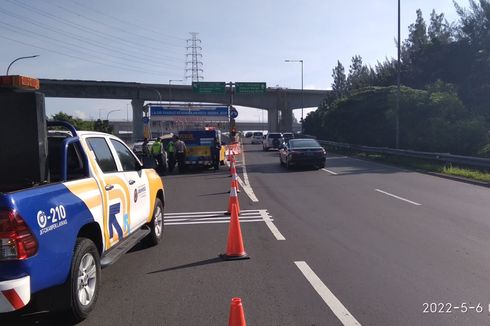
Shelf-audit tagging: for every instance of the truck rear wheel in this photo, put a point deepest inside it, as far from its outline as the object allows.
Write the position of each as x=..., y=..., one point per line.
x=83, y=285
x=156, y=225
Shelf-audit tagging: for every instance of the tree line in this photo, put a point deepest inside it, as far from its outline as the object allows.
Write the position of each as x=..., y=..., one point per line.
x=97, y=125
x=445, y=97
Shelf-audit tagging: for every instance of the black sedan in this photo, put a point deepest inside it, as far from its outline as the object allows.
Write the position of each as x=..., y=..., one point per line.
x=302, y=151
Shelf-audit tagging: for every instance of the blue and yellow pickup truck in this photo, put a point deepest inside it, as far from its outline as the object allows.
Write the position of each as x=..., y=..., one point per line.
x=98, y=202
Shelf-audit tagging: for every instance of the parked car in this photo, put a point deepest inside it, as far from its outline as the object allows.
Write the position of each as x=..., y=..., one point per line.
x=149, y=161
x=257, y=137
x=248, y=134
x=302, y=151
x=287, y=136
x=272, y=140
x=138, y=147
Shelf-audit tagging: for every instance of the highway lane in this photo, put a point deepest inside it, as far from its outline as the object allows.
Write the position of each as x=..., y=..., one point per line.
x=383, y=257
x=380, y=256
x=182, y=282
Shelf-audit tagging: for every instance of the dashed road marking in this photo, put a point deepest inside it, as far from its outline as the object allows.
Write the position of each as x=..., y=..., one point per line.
x=335, y=157
x=328, y=297
x=398, y=197
x=331, y=172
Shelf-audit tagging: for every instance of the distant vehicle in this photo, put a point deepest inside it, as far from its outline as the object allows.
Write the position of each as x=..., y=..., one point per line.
x=138, y=147
x=199, y=145
x=287, y=136
x=138, y=150
x=257, y=137
x=272, y=140
x=302, y=151
x=248, y=134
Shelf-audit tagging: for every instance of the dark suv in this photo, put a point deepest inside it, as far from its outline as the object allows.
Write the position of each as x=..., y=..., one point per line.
x=272, y=140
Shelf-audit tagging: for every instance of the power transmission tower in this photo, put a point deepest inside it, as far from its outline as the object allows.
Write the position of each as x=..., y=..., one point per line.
x=193, y=64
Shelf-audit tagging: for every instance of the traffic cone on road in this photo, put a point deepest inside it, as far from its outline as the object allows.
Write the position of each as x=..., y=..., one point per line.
x=237, y=316
x=233, y=199
x=234, y=248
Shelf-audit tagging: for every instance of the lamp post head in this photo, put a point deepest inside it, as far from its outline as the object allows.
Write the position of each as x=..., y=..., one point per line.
x=20, y=58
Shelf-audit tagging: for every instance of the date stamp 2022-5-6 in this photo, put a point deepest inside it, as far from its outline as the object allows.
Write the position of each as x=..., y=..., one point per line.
x=449, y=308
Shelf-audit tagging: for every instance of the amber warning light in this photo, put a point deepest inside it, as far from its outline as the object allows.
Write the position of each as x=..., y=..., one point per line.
x=19, y=82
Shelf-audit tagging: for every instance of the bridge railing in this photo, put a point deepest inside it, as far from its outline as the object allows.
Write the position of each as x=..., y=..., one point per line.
x=470, y=161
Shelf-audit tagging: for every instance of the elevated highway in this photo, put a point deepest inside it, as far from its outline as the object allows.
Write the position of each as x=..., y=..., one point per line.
x=274, y=100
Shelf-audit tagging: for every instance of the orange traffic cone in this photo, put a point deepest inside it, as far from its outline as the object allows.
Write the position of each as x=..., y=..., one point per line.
x=234, y=249
x=237, y=316
x=233, y=199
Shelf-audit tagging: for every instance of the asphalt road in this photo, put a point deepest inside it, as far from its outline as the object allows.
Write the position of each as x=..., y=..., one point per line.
x=381, y=242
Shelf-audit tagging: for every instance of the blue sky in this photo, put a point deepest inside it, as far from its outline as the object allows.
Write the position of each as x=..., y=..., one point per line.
x=144, y=41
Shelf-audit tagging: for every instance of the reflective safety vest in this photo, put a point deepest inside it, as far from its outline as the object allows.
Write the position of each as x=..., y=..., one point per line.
x=171, y=147
x=156, y=148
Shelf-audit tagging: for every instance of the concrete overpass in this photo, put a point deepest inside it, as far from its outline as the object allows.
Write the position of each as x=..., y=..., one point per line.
x=278, y=102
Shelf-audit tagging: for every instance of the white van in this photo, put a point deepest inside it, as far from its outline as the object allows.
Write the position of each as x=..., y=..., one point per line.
x=257, y=137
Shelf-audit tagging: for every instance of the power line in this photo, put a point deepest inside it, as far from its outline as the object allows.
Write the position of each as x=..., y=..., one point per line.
x=76, y=36
x=88, y=30
x=113, y=27
x=127, y=22
x=194, y=51
x=74, y=47
x=79, y=58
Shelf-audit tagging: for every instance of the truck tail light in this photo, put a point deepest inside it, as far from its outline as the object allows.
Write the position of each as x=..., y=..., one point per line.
x=16, y=239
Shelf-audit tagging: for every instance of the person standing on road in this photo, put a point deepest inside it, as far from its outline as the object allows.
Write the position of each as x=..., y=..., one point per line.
x=144, y=148
x=215, y=152
x=157, y=152
x=180, y=149
x=171, y=154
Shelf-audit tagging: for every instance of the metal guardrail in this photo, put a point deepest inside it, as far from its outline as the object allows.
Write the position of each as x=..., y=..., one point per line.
x=443, y=157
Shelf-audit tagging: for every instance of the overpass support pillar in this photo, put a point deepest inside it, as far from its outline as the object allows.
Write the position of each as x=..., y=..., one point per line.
x=137, y=106
x=273, y=119
x=286, y=123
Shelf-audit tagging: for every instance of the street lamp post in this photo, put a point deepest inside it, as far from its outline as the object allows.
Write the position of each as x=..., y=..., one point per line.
x=20, y=58
x=302, y=90
x=111, y=112
x=169, y=89
x=397, y=114
x=159, y=94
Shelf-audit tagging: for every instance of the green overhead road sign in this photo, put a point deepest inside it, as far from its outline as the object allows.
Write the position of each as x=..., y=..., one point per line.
x=250, y=88
x=208, y=87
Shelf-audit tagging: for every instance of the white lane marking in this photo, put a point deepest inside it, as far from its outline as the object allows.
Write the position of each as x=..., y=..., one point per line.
x=211, y=222
x=222, y=218
x=397, y=197
x=331, y=172
x=246, y=183
x=268, y=221
x=246, y=216
x=328, y=297
x=248, y=189
x=335, y=157
x=249, y=211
